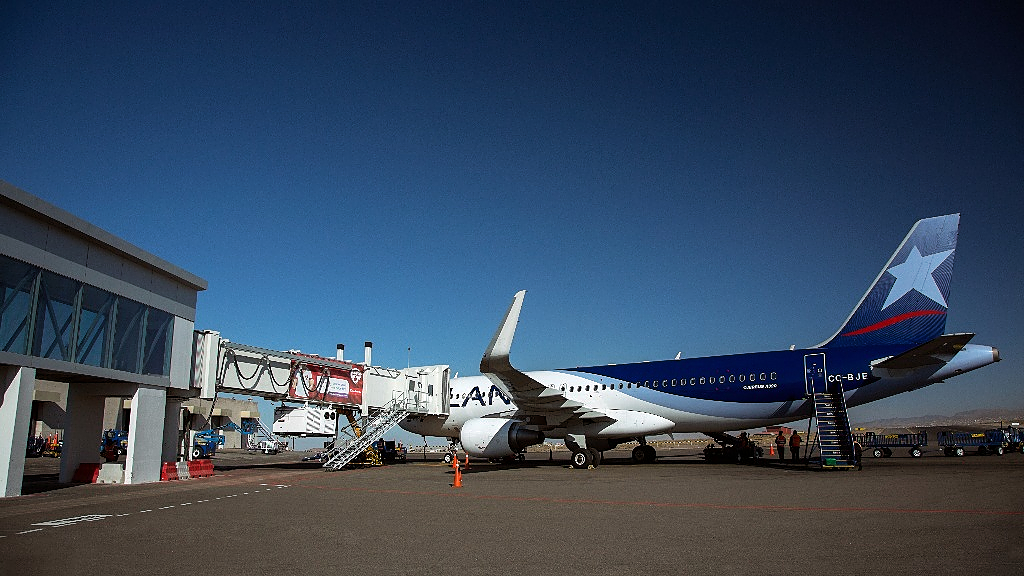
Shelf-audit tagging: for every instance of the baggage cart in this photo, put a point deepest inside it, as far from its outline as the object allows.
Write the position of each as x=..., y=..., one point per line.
x=881, y=445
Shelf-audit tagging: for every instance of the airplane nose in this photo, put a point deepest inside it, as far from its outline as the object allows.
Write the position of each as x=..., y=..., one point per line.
x=995, y=354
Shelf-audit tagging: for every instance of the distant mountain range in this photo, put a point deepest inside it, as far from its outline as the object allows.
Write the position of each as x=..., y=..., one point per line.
x=981, y=418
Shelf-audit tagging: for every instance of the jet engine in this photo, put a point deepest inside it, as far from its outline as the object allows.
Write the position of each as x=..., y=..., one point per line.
x=497, y=437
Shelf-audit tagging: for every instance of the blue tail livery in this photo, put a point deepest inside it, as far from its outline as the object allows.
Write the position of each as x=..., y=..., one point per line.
x=907, y=302
x=894, y=341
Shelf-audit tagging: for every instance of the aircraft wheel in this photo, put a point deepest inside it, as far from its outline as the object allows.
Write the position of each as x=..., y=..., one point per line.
x=582, y=459
x=876, y=453
x=638, y=455
x=650, y=453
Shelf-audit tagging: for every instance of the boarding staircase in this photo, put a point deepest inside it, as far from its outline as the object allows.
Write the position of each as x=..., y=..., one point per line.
x=834, y=437
x=357, y=439
x=255, y=430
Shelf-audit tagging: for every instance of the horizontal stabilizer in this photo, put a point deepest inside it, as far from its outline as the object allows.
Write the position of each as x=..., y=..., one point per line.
x=936, y=351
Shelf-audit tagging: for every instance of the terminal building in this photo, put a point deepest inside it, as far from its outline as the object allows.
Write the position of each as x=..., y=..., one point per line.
x=85, y=313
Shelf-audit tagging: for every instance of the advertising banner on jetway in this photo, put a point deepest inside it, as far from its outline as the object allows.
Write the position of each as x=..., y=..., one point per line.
x=342, y=384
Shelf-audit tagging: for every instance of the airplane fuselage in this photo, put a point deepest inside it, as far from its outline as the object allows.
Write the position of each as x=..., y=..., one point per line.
x=709, y=394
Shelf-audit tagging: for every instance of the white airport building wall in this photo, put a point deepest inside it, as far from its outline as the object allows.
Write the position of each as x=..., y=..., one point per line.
x=83, y=308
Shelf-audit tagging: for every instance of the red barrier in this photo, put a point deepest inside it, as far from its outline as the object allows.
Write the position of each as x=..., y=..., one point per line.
x=200, y=468
x=169, y=471
x=86, y=473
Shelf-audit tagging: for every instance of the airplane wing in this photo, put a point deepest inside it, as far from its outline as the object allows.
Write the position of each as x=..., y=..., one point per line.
x=936, y=351
x=538, y=404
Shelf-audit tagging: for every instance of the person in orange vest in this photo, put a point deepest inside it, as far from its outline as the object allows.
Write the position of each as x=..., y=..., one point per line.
x=794, y=445
x=780, y=445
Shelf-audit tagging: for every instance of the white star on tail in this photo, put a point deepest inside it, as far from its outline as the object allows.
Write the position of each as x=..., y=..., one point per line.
x=916, y=274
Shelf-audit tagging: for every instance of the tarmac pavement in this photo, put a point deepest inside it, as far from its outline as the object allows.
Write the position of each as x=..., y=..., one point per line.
x=680, y=515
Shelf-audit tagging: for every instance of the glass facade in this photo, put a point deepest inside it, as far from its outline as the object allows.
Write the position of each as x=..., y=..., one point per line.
x=46, y=315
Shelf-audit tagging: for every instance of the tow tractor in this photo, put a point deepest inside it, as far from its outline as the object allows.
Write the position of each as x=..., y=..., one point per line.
x=390, y=451
x=732, y=449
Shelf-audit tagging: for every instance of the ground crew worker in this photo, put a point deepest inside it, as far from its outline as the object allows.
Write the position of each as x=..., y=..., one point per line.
x=794, y=445
x=858, y=451
x=744, y=446
x=780, y=445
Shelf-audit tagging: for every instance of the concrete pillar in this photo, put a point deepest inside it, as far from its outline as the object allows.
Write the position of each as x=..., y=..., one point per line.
x=83, y=430
x=146, y=435
x=172, y=425
x=19, y=383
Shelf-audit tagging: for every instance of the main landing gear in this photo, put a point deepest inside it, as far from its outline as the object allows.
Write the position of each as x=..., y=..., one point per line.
x=584, y=456
x=644, y=454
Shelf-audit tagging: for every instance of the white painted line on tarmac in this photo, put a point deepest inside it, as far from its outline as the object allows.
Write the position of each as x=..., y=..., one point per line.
x=75, y=520
x=94, y=517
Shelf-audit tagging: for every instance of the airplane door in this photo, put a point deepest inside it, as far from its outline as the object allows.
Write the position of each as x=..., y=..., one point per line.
x=815, y=377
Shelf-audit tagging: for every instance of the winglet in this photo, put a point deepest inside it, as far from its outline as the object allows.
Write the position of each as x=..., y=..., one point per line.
x=496, y=357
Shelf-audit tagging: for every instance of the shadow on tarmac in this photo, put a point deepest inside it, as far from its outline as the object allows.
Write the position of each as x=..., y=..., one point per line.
x=675, y=460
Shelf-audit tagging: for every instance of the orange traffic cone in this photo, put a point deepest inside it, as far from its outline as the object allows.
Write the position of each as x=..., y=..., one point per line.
x=455, y=460
x=771, y=449
x=458, y=476
x=467, y=461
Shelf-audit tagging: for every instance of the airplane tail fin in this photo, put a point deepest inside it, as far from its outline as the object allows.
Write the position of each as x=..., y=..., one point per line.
x=907, y=302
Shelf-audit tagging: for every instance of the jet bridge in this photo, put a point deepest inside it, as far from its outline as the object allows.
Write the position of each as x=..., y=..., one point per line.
x=373, y=398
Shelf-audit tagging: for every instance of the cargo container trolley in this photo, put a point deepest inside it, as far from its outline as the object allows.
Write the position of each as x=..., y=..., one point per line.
x=881, y=445
x=997, y=441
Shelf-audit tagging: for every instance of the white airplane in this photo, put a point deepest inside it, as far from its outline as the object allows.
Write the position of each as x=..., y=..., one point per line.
x=892, y=342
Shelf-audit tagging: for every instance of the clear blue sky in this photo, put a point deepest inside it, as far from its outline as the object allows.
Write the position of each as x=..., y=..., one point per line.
x=662, y=177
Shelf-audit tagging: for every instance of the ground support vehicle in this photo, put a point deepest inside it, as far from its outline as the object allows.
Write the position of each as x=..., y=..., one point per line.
x=204, y=444
x=36, y=444
x=1013, y=438
x=268, y=447
x=390, y=451
x=988, y=442
x=53, y=446
x=117, y=438
x=881, y=445
x=732, y=454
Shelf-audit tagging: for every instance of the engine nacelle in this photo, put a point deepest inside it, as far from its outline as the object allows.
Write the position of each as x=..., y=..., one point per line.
x=497, y=437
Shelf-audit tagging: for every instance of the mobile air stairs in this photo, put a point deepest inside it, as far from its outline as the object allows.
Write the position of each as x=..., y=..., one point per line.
x=834, y=437
x=359, y=438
